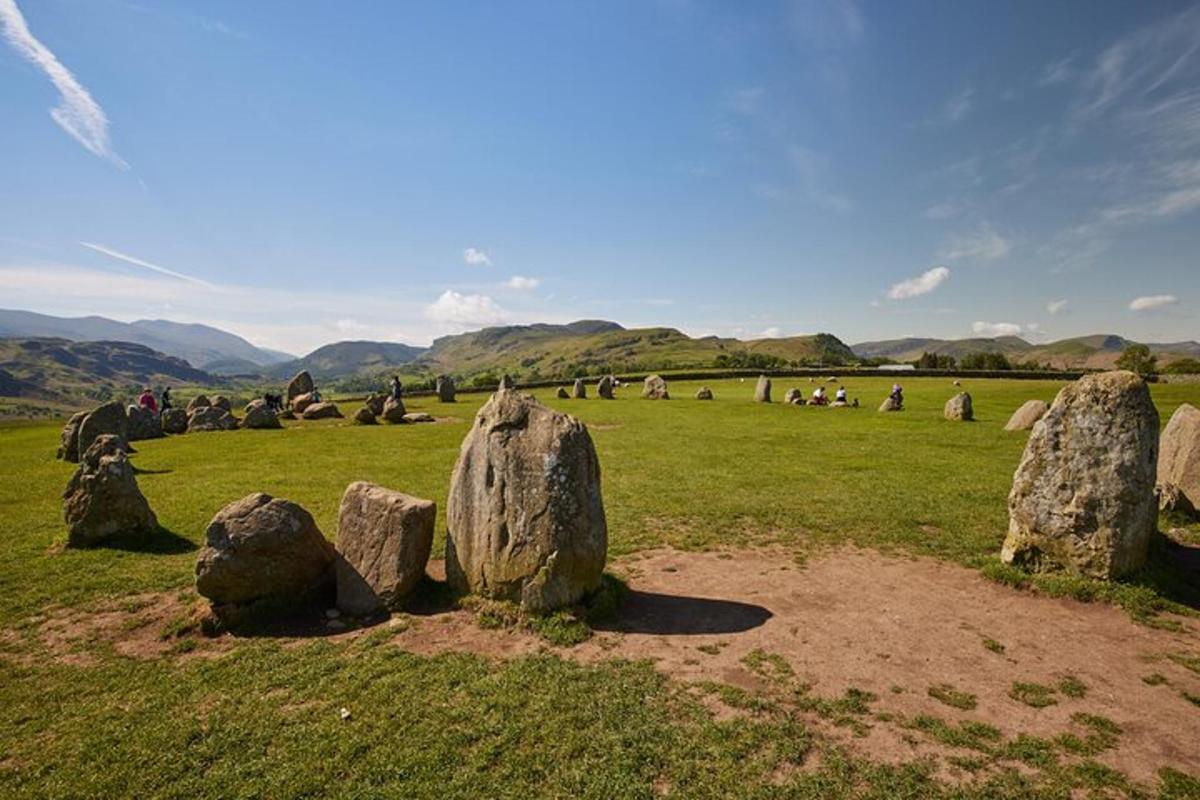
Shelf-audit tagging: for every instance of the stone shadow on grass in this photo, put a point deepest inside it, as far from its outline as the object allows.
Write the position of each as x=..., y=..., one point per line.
x=673, y=615
x=163, y=541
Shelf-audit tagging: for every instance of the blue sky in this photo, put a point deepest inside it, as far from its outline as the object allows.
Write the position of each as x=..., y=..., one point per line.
x=301, y=172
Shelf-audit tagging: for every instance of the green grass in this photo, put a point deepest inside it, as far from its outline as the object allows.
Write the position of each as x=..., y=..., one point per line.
x=262, y=719
x=947, y=695
x=1034, y=695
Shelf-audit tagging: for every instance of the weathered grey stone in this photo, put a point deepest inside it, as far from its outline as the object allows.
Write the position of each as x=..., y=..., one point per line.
x=376, y=402
x=1179, y=455
x=106, y=419
x=445, y=388
x=762, y=390
x=562, y=393
x=259, y=415
x=262, y=548
x=103, y=498
x=890, y=404
x=526, y=516
x=1083, y=498
x=704, y=393
x=364, y=416
x=221, y=401
x=384, y=540
x=175, y=421
x=68, y=447
x=199, y=401
x=211, y=418
x=393, y=411
x=301, y=402
x=1027, y=415
x=959, y=408
x=418, y=416
x=1172, y=498
x=302, y=383
x=142, y=423
x=506, y=382
x=322, y=411
x=655, y=388
x=579, y=391
x=604, y=388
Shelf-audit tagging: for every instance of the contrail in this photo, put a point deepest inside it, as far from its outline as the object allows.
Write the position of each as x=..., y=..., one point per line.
x=108, y=251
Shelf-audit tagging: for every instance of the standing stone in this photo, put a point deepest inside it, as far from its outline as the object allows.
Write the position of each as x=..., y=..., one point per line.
x=175, y=421
x=393, y=411
x=655, y=388
x=579, y=392
x=384, y=540
x=890, y=404
x=1027, y=415
x=704, y=393
x=68, y=448
x=106, y=419
x=762, y=390
x=261, y=548
x=221, y=401
x=142, y=423
x=103, y=498
x=301, y=402
x=526, y=517
x=792, y=395
x=958, y=408
x=302, y=383
x=604, y=389
x=364, y=416
x=321, y=411
x=375, y=402
x=506, y=382
x=445, y=388
x=197, y=402
x=1179, y=460
x=562, y=393
x=260, y=415
x=1082, y=498
x=211, y=418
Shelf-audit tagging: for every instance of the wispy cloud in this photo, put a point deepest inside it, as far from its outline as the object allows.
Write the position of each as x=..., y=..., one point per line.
x=983, y=244
x=1056, y=306
x=922, y=284
x=476, y=257
x=1153, y=302
x=77, y=113
x=108, y=251
x=1057, y=72
x=520, y=282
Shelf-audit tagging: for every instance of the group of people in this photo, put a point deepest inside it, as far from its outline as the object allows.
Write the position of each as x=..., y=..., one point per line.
x=155, y=406
x=820, y=398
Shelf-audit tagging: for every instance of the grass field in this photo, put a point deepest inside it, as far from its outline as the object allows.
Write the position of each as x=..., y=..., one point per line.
x=261, y=720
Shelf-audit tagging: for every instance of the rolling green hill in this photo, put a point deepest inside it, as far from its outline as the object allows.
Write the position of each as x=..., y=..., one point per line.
x=348, y=358
x=1098, y=351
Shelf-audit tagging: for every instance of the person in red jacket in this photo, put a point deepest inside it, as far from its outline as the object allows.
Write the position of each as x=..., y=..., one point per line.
x=147, y=401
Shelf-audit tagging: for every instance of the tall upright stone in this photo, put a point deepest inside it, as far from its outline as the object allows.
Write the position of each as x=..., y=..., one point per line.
x=1082, y=499
x=103, y=498
x=68, y=447
x=526, y=516
x=762, y=390
x=959, y=408
x=301, y=383
x=579, y=391
x=604, y=389
x=1179, y=460
x=445, y=388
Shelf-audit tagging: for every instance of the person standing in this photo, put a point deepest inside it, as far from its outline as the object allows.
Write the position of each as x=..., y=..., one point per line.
x=397, y=389
x=165, y=399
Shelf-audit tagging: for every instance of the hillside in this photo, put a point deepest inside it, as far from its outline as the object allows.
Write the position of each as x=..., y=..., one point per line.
x=1098, y=351
x=62, y=370
x=201, y=345
x=348, y=358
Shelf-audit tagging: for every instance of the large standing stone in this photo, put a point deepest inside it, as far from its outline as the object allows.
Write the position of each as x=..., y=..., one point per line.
x=762, y=390
x=375, y=402
x=393, y=411
x=103, y=498
x=68, y=447
x=445, y=388
x=301, y=402
x=106, y=419
x=302, y=383
x=1027, y=415
x=604, y=389
x=211, y=418
x=704, y=393
x=142, y=423
x=197, y=402
x=959, y=409
x=260, y=415
x=1082, y=498
x=175, y=421
x=526, y=517
x=1179, y=459
x=365, y=416
x=655, y=388
x=261, y=548
x=579, y=391
x=321, y=411
x=384, y=539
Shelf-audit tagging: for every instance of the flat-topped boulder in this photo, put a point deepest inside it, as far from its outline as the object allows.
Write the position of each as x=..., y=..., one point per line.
x=1027, y=415
x=762, y=390
x=301, y=383
x=959, y=408
x=259, y=415
x=322, y=410
x=384, y=540
x=175, y=421
x=142, y=423
x=604, y=388
x=393, y=411
x=211, y=418
x=1083, y=499
x=526, y=516
x=68, y=445
x=444, y=385
x=103, y=499
x=418, y=416
x=655, y=388
x=1179, y=460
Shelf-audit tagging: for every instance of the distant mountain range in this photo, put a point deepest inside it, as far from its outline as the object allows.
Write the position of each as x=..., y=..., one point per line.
x=347, y=358
x=1098, y=351
x=202, y=346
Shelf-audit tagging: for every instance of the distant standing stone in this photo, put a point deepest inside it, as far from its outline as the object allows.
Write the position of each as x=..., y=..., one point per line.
x=762, y=390
x=393, y=411
x=959, y=409
x=103, y=498
x=175, y=421
x=1179, y=459
x=604, y=389
x=579, y=392
x=1083, y=498
x=106, y=419
x=655, y=388
x=1027, y=415
x=704, y=393
x=384, y=539
x=364, y=416
x=445, y=388
x=68, y=447
x=562, y=393
x=302, y=383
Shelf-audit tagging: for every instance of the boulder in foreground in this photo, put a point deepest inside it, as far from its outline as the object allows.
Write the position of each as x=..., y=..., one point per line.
x=384, y=540
x=655, y=388
x=959, y=408
x=1179, y=460
x=103, y=498
x=1027, y=415
x=1083, y=497
x=526, y=517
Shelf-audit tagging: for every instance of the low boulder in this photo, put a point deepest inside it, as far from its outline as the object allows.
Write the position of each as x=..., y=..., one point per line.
x=301, y=402
x=393, y=411
x=175, y=421
x=259, y=415
x=375, y=402
x=604, y=388
x=418, y=416
x=221, y=401
x=526, y=516
x=301, y=383
x=364, y=416
x=792, y=395
x=655, y=388
x=890, y=404
x=579, y=391
x=1179, y=457
x=108, y=419
x=199, y=401
x=704, y=393
x=1027, y=415
x=762, y=390
x=562, y=393
x=322, y=411
x=211, y=418
x=262, y=548
x=1083, y=499
x=383, y=543
x=959, y=409
x=142, y=423
x=68, y=446
x=445, y=388
x=103, y=499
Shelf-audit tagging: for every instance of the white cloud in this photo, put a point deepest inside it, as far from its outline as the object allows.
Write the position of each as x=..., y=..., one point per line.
x=108, y=251
x=922, y=284
x=1152, y=302
x=771, y=333
x=984, y=244
x=1058, y=71
x=1056, y=306
x=522, y=283
x=996, y=328
x=465, y=309
x=476, y=257
x=77, y=113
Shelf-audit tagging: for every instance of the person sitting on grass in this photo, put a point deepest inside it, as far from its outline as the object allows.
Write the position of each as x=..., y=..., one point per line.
x=397, y=390
x=147, y=401
x=819, y=397
x=840, y=396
